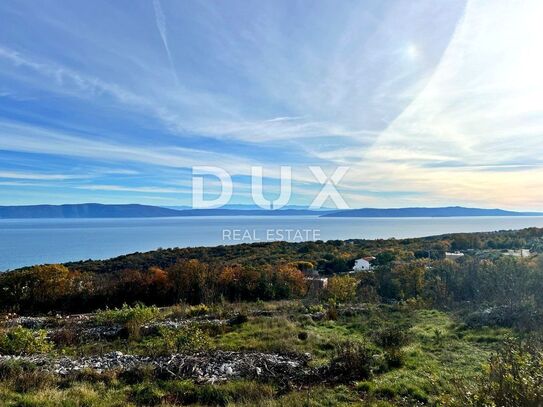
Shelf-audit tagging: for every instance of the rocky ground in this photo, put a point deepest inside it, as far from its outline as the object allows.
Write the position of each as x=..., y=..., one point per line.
x=84, y=326
x=208, y=367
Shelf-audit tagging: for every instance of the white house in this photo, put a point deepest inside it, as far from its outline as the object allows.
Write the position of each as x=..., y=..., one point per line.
x=363, y=264
x=454, y=256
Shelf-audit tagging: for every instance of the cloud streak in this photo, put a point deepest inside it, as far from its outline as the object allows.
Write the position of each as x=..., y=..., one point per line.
x=160, y=19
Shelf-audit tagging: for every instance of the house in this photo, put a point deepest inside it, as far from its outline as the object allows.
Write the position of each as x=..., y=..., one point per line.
x=363, y=264
x=518, y=253
x=454, y=256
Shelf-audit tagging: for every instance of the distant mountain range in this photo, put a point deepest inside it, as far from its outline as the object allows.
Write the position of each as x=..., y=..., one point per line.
x=93, y=210
x=246, y=207
x=88, y=210
x=447, y=212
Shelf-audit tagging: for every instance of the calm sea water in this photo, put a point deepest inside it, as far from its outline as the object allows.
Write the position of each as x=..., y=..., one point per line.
x=36, y=241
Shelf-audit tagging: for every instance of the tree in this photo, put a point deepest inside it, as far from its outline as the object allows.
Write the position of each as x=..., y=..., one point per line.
x=514, y=377
x=304, y=266
x=336, y=265
x=190, y=280
x=291, y=282
x=342, y=288
x=383, y=259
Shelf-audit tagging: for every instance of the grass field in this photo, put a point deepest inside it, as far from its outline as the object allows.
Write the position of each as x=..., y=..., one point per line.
x=437, y=356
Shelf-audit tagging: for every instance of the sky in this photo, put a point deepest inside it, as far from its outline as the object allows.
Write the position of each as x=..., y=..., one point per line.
x=428, y=103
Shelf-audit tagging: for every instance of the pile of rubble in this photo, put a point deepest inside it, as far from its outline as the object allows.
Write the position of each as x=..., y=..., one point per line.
x=207, y=367
x=84, y=327
x=221, y=365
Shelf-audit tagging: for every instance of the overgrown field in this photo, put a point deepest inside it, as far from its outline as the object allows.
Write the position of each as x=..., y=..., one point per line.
x=357, y=354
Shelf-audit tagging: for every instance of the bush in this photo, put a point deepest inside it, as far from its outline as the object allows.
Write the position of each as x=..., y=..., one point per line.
x=23, y=341
x=303, y=336
x=315, y=309
x=524, y=316
x=331, y=311
x=67, y=336
x=342, y=288
x=391, y=337
x=186, y=339
x=394, y=358
x=23, y=377
x=514, y=376
x=198, y=310
x=365, y=387
x=131, y=317
x=353, y=361
x=125, y=314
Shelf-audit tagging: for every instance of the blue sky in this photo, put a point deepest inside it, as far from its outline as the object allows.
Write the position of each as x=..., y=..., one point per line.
x=428, y=102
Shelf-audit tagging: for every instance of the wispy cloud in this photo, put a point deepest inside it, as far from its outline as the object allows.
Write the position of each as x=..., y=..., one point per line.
x=33, y=139
x=161, y=26
x=120, y=188
x=39, y=176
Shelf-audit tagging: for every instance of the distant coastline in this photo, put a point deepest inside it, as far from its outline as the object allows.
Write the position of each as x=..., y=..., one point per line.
x=94, y=210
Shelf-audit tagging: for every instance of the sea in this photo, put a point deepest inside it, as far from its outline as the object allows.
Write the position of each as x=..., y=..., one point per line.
x=25, y=242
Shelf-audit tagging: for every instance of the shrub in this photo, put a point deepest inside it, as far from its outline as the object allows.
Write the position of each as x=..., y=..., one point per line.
x=394, y=358
x=524, y=316
x=65, y=337
x=186, y=339
x=391, y=337
x=131, y=317
x=365, y=387
x=342, y=288
x=125, y=314
x=198, y=310
x=23, y=377
x=331, y=311
x=353, y=361
x=303, y=336
x=514, y=376
x=23, y=341
x=315, y=309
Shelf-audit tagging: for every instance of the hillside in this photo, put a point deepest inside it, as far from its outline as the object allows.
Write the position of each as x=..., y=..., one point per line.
x=451, y=211
x=90, y=210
